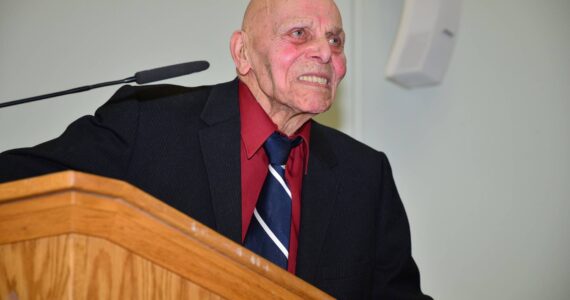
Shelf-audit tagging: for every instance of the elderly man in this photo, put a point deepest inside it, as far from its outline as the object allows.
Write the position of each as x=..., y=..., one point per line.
x=246, y=159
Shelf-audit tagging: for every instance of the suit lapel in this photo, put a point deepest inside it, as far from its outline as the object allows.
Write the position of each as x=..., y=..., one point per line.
x=220, y=145
x=318, y=199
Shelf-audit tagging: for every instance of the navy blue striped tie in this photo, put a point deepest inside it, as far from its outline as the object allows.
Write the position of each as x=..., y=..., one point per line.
x=270, y=226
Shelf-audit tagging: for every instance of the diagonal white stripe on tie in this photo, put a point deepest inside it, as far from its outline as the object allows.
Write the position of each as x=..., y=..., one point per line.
x=271, y=234
x=280, y=180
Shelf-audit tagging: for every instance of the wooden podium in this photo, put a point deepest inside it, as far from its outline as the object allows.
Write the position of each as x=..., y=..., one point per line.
x=70, y=235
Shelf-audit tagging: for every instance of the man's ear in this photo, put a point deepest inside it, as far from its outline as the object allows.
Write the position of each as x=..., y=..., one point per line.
x=238, y=51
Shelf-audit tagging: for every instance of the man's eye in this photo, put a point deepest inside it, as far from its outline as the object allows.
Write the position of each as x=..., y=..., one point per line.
x=298, y=33
x=335, y=41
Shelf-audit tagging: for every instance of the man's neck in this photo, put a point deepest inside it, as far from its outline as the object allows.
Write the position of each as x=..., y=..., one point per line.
x=287, y=120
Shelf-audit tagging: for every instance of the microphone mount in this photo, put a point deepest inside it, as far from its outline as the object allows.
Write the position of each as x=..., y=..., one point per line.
x=141, y=77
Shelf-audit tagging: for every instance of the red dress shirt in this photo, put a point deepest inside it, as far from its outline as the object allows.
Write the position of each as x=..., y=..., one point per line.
x=256, y=127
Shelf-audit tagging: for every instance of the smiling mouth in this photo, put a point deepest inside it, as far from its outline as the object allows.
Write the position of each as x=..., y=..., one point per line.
x=314, y=79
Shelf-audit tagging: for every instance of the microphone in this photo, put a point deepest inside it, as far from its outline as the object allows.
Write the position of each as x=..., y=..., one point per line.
x=141, y=77
x=172, y=71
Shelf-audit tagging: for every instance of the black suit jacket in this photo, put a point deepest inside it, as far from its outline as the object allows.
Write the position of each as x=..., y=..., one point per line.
x=182, y=145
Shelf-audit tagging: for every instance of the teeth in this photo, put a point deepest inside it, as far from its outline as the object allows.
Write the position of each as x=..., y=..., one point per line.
x=315, y=79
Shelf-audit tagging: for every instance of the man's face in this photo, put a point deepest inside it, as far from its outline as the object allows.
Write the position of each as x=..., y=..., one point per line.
x=297, y=54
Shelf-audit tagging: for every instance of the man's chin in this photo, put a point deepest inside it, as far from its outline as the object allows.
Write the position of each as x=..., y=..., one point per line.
x=316, y=108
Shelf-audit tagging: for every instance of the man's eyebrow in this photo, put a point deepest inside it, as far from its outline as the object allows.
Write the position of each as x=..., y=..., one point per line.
x=295, y=23
x=337, y=30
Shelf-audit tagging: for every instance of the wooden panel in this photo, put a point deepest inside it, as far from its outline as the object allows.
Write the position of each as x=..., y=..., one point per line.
x=35, y=269
x=79, y=267
x=71, y=202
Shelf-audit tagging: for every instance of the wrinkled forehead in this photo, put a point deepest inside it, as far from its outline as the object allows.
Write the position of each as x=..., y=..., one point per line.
x=274, y=14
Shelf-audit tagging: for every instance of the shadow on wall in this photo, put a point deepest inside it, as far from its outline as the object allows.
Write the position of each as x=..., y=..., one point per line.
x=333, y=117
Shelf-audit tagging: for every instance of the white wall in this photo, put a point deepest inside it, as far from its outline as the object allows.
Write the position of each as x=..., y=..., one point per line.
x=481, y=161
x=47, y=46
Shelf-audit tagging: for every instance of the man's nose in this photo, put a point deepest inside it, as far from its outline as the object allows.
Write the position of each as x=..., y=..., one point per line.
x=320, y=50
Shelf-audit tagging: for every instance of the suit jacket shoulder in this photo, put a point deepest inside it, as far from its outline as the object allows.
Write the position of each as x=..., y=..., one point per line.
x=355, y=237
x=100, y=143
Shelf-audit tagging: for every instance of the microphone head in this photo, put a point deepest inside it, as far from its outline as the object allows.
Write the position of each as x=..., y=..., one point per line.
x=172, y=71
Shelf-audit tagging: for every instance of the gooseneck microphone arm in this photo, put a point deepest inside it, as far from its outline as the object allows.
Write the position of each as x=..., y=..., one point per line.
x=141, y=77
x=66, y=92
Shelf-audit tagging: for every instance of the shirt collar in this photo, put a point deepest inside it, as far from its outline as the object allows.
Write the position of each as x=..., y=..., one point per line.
x=256, y=126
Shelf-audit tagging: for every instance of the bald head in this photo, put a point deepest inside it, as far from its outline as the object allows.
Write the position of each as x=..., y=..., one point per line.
x=256, y=9
x=290, y=53
x=258, y=12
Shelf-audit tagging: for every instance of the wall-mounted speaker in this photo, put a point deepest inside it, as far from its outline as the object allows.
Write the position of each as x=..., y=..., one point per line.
x=425, y=41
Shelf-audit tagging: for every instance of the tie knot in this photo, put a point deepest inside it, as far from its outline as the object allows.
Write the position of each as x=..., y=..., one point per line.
x=278, y=147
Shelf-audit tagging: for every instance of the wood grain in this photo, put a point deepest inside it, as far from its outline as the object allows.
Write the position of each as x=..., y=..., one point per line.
x=133, y=221
x=78, y=267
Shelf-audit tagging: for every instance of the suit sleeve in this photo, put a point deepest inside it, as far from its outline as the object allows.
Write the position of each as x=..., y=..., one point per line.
x=99, y=144
x=396, y=275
